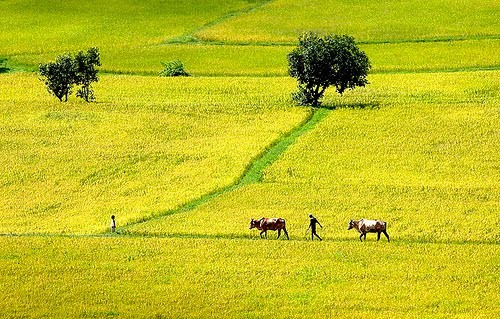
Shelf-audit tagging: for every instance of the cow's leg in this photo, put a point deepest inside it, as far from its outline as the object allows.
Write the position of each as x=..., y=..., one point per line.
x=263, y=232
x=378, y=236
x=286, y=233
x=361, y=237
x=386, y=235
x=279, y=233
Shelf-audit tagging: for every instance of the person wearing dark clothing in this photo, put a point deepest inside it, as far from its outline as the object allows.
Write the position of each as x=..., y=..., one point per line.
x=113, y=224
x=312, y=224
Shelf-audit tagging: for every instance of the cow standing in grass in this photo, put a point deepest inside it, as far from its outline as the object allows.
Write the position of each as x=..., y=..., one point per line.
x=265, y=224
x=364, y=226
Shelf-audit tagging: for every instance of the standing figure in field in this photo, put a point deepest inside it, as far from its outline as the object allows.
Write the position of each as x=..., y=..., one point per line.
x=113, y=223
x=312, y=224
x=364, y=226
x=265, y=224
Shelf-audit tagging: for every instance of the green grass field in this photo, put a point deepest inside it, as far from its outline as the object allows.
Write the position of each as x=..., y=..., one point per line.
x=185, y=163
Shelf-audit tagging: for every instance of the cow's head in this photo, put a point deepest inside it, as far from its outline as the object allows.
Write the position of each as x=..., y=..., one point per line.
x=254, y=223
x=351, y=225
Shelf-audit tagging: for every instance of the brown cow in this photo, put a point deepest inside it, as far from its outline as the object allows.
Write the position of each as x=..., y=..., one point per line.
x=364, y=226
x=265, y=224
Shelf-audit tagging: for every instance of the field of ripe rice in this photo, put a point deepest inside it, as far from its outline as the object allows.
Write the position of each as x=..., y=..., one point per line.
x=85, y=277
x=213, y=38
x=267, y=60
x=366, y=20
x=50, y=26
x=147, y=146
x=185, y=163
x=419, y=150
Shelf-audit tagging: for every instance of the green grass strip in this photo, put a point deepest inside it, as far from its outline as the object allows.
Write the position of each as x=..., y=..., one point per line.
x=253, y=173
x=190, y=37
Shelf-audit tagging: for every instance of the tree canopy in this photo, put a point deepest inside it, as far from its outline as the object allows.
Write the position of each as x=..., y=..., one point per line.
x=62, y=74
x=319, y=62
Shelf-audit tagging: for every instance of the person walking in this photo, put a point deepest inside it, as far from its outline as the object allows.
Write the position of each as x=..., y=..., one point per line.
x=312, y=224
x=113, y=223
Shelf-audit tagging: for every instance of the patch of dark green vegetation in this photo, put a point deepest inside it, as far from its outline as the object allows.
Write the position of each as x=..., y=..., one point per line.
x=3, y=66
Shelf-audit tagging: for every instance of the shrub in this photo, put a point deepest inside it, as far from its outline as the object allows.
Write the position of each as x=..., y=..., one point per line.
x=173, y=68
x=3, y=67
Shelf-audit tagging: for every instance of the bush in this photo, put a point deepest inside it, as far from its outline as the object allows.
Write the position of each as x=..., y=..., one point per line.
x=3, y=67
x=173, y=68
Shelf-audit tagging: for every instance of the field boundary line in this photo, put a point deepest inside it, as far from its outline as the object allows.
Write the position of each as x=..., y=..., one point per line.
x=251, y=175
x=190, y=37
x=284, y=73
x=252, y=237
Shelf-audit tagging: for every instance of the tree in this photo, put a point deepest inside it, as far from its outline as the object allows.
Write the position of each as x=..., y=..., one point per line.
x=86, y=72
x=61, y=75
x=318, y=63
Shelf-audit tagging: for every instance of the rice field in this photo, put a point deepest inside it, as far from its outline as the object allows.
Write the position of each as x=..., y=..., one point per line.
x=270, y=60
x=85, y=277
x=51, y=26
x=367, y=21
x=148, y=145
x=234, y=38
x=185, y=163
x=418, y=150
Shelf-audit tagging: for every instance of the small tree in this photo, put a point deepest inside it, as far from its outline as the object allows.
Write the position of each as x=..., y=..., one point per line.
x=318, y=63
x=86, y=72
x=59, y=76
x=173, y=68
